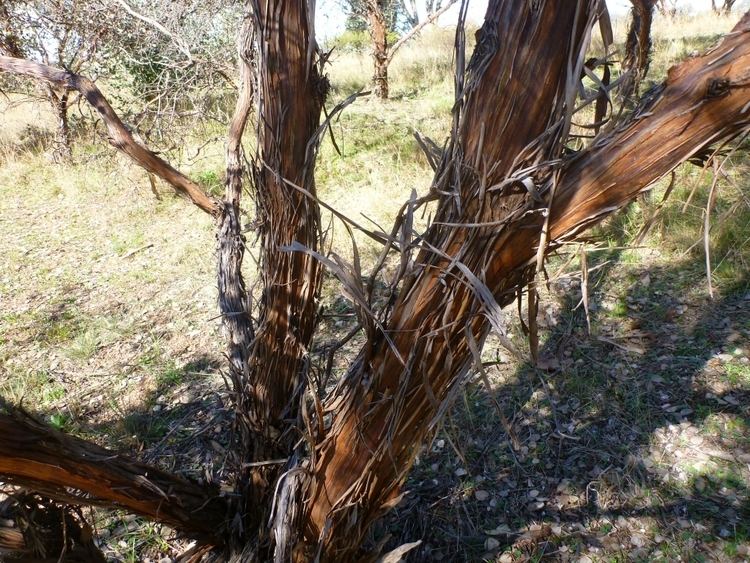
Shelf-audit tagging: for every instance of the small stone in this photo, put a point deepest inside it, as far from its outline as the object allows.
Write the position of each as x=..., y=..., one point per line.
x=460, y=472
x=481, y=495
x=491, y=544
x=637, y=540
x=506, y=558
x=533, y=493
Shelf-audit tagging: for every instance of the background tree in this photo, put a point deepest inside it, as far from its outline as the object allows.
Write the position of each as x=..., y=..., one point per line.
x=64, y=33
x=508, y=188
x=173, y=61
x=667, y=8
x=725, y=8
x=381, y=18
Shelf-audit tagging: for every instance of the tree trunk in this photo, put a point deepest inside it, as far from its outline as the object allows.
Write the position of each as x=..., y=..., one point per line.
x=379, y=35
x=63, y=144
x=484, y=243
x=637, y=47
x=270, y=361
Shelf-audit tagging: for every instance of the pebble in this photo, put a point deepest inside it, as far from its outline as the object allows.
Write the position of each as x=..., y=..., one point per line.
x=491, y=544
x=481, y=495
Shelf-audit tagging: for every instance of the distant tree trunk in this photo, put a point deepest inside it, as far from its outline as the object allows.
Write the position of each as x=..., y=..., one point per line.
x=727, y=8
x=668, y=8
x=637, y=47
x=63, y=143
x=379, y=35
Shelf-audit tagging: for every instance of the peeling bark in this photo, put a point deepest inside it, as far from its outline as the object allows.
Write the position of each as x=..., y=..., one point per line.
x=507, y=188
x=484, y=243
x=72, y=470
x=379, y=35
x=637, y=47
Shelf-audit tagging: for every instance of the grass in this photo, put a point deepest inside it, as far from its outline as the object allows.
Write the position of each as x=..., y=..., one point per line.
x=109, y=329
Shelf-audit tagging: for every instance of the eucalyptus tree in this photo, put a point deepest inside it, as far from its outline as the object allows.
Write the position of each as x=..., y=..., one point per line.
x=511, y=185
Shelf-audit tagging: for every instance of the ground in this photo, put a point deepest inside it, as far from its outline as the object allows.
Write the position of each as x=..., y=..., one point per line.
x=630, y=441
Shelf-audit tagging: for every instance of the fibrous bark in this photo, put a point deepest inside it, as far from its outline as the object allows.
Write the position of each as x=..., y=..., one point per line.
x=72, y=470
x=500, y=202
x=379, y=35
x=507, y=188
x=270, y=360
x=637, y=47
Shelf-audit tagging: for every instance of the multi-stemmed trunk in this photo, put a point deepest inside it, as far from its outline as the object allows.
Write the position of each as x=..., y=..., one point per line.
x=507, y=188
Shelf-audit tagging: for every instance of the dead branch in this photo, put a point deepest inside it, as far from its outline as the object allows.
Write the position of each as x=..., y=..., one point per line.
x=120, y=136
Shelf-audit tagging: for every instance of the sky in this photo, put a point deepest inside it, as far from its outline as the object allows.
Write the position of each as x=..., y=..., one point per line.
x=331, y=16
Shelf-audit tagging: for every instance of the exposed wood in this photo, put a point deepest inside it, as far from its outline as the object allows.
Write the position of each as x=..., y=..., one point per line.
x=73, y=470
x=396, y=393
x=120, y=136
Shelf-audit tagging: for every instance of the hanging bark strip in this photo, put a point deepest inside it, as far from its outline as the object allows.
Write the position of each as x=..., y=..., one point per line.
x=72, y=470
x=484, y=242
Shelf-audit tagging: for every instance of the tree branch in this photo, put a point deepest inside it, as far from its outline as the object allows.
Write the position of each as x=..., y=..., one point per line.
x=119, y=135
x=416, y=29
x=69, y=469
x=179, y=41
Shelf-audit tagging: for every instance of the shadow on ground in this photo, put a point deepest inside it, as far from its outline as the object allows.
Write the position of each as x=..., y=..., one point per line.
x=635, y=445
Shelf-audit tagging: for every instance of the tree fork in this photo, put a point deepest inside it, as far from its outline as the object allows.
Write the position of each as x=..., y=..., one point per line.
x=388, y=404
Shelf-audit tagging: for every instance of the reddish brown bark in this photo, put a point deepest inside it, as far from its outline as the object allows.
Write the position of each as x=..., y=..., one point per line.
x=396, y=393
x=637, y=46
x=73, y=470
x=291, y=93
x=379, y=35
